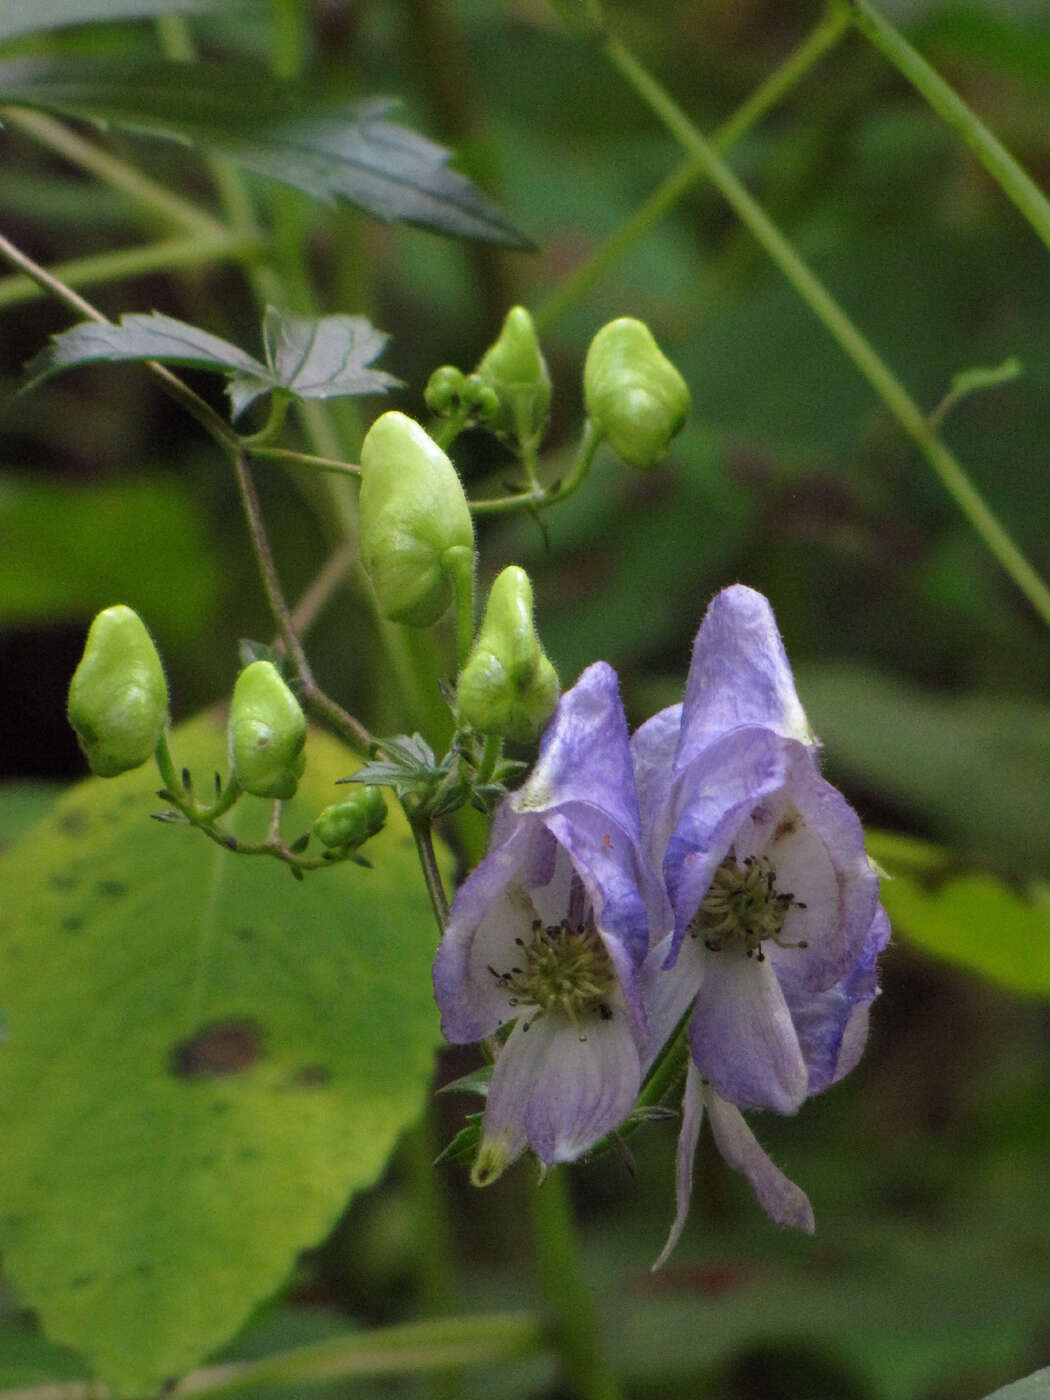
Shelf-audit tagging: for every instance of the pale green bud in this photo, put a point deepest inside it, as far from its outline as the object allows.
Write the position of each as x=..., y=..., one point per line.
x=118, y=697
x=508, y=686
x=352, y=821
x=413, y=514
x=443, y=388
x=267, y=733
x=635, y=397
x=515, y=368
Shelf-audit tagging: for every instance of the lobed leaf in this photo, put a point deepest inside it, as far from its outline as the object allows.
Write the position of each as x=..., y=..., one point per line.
x=199, y=1069
x=310, y=359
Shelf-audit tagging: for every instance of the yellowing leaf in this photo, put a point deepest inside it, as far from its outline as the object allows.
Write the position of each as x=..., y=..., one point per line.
x=205, y=1060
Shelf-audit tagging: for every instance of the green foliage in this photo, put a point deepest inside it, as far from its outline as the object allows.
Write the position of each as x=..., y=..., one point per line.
x=968, y=917
x=70, y=550
x=352, y=151
x=16, y=20
x=974, y=767
x=199, y=1071
x=308, y=359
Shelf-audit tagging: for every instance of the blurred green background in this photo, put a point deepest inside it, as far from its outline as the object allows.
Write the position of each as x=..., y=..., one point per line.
x=925, y=673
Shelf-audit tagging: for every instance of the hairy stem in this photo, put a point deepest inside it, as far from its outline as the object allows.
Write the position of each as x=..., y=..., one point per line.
x=423, y=835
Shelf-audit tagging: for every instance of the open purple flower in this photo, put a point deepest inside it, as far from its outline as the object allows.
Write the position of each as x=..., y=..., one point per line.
x=776, y=920
x=549, y=932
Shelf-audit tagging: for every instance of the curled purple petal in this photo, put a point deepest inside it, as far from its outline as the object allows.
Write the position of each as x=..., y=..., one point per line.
x=739, y=676
x=692, y=1117
x=780, y=1198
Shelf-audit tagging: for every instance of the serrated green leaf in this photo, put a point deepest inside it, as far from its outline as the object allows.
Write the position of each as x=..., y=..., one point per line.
x=200, y=1068
x=350, y=152
x=17, y=19
x=965, y=916
x=311, y=359
x=322, y=358
x=141, y=337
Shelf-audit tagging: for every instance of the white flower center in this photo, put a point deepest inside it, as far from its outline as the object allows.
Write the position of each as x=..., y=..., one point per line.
x=564, y=967
x=744, y=906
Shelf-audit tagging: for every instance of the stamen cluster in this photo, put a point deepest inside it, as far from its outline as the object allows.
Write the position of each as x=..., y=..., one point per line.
x=743, y=904
x=565, y=968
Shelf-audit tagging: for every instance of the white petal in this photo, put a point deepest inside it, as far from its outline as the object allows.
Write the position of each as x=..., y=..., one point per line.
x=558, y=1092
x=742, y=1036
x=668, y=991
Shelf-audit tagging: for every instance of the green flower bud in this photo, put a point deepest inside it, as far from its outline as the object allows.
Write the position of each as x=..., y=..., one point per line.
x=515, y=368
x=353, y=821
x=413, y=515
x=443, y=388
x=267, y=732
x=508, y=686
x=118, y=697
x=634, y=394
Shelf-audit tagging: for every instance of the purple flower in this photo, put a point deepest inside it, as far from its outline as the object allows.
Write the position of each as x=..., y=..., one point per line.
x=549, y=932
x=776, y=920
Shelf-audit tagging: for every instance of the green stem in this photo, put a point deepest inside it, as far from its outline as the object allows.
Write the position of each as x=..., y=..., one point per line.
x=949, y=106
x=406, y=1349
x=816, y=296
x=491, y=755
x=424, y=839
x=566, y=1292
x=667, y=194
x=303, y=459
x=115, y=172
x=166, y=256
x=459, y=562
x=539, y=499
x=436, y=1268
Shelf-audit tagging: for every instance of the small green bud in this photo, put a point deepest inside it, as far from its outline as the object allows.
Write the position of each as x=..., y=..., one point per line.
x=267, y=732
x=353, y=821
x=443, y=388
x=118, y=697
x=634, y=394
x=508, y=686
x=413, y=515
x=515, y=368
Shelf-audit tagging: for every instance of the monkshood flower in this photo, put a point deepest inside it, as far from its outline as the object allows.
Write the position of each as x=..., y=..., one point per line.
x=549, y=932
x=776, y=920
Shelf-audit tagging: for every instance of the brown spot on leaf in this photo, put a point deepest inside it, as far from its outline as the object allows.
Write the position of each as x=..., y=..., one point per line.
x=311, y=1077
x=226, y=1047
x=73, y=823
